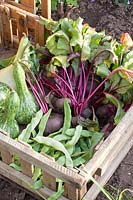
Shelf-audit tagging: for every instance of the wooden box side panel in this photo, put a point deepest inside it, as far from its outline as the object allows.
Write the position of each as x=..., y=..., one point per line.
x=111, y=147
x=30, y=6
x=75, y=179
x=19, y=22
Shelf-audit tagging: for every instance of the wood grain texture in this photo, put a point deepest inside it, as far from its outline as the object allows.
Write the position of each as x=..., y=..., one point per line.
x=114, y=143
x=94, y=190
x=46, y=164
x=71, y=192
x=21, y=24
x=24, y=181
x=49, y=181
x=46, y=8
x=25, y=22
x=6, y=25
x=6, y=156
x=27, y=168
x=21, y=6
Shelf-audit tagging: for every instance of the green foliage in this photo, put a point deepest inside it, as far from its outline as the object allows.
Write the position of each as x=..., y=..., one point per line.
x=126, y=2
x=72, y=2
x=54, y=4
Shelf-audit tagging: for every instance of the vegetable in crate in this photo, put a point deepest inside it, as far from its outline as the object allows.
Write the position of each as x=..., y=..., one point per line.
x=4, y=92
x=8, y=70
x=85, y=66
x=7, y=119
x=14, y=76
x=28, y=105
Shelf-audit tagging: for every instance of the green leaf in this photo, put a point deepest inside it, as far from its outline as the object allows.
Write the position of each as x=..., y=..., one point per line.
x=49, y=24
x=76, y=33
x=124, y=86
x=59, y=192
x=67, y=116
x=95, y=139
x=16, y=167
x=56, y=145
x=120, y=112
x=82, y=159
x=58, y=43
x=75, y=66
x=54, y=5
x=76, y=136
x=102, y=70
x=37, y=185
x=26, y=133
x=61, y=160
x=70, y=132
x=6, y=62
x=66, y=24
x=126, y=74
x=89, y=44
x=43, y=122
x=37, y=173
x=61, y=137
x=59, y=61
x=128, y=60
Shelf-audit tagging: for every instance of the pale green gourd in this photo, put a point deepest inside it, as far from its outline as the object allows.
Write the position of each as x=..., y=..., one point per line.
x=4, y=92
x=28, y=105
x=7, y=118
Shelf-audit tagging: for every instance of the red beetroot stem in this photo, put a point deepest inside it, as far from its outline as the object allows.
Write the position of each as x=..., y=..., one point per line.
x=43, y=105
x=108, y=77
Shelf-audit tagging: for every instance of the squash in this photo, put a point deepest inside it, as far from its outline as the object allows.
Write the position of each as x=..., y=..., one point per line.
x=4, y=92
x=8, y=122
x=28, y=104
x=6, y=74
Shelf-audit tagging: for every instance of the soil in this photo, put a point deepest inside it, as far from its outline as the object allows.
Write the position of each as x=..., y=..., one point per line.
x=103, y=15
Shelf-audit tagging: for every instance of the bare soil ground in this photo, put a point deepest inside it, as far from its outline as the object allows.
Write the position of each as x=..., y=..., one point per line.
x=103, y=15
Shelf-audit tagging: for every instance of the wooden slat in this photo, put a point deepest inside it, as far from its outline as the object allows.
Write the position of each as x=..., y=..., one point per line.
x=25, y=21
x=6, y=156
x=71, y=192
x=24, y=181
x=94, y=190
x=39, y=33
x=27, y=168
x=82, y=191
x=23, y=7
x=21, y=24
x=1, y=31
x=13, y=10
x=41, y=161
x=6, y=25
x=49, y=181
x=46, y=9
x=28, y=3
x=119, y=136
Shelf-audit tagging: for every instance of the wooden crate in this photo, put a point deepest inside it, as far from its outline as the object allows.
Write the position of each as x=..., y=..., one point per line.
x=29, y=5
x=14, y=21
x=106, y=159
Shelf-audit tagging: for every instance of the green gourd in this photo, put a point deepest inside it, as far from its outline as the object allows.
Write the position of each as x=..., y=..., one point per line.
x=4, y=92
x=7, y=118
x=28, y=105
